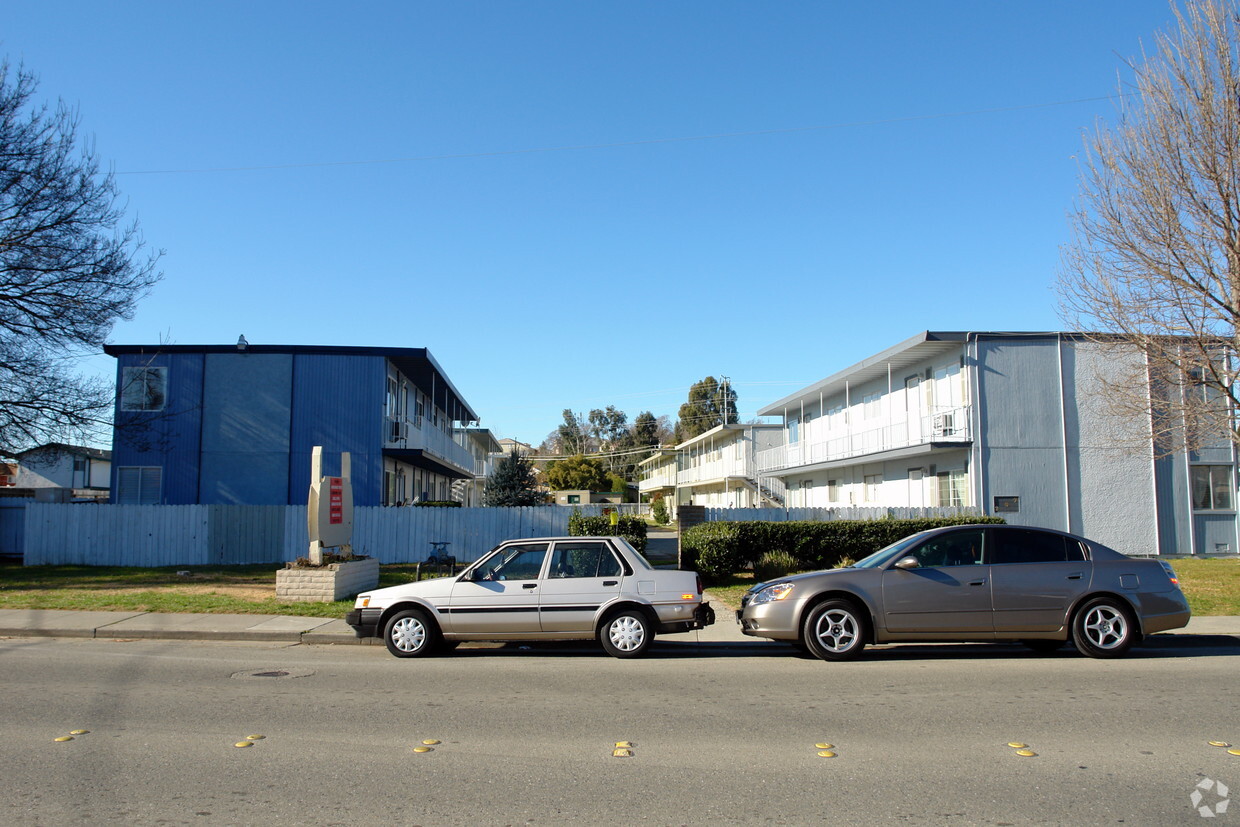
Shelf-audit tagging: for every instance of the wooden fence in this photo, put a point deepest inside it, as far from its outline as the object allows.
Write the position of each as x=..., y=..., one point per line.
x=190, y=535
x=736, y=515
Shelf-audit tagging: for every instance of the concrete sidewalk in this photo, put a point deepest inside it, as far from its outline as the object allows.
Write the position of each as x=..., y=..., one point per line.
x=319, y=630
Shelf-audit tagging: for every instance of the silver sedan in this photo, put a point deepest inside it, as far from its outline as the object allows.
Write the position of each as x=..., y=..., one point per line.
x=973, y=583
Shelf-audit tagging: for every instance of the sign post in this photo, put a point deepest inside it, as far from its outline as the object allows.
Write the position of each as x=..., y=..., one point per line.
x=329, y=510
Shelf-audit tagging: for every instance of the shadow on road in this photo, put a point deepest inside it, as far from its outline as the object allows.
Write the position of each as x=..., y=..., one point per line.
x=1157, y=646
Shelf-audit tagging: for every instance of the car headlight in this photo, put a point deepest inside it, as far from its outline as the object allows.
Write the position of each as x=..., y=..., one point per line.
x=773, y=592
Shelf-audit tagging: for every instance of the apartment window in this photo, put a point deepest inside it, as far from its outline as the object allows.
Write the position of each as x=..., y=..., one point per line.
x=1212, y=488
x=807, y=494
x=794, y=430
x=138, y=485
x=953, y=489
x=144, y=389
x=833, y=491
x=872, y=484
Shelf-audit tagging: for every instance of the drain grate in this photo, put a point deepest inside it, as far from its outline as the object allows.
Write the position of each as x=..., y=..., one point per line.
x=269, y=673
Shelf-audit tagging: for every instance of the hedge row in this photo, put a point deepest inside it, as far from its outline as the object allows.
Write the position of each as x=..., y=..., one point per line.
x=630, y=528
x=716, y=550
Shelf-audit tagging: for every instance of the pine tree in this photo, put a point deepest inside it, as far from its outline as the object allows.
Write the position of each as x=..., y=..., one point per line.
x=513, y=483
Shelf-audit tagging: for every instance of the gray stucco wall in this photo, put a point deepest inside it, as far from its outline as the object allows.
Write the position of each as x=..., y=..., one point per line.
x=1022, y=428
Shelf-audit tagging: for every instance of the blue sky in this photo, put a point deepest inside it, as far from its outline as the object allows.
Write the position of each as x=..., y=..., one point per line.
x=576, y=204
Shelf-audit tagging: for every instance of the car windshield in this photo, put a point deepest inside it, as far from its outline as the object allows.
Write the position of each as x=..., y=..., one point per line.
x=885, y=555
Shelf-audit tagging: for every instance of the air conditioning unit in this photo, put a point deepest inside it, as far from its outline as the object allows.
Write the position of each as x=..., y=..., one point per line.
x=400, y=431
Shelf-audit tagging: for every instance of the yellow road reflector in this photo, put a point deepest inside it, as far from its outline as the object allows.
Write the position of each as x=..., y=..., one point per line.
x=1219, y=744
x=65, y=738
x=1017, y=745
x=240, y=744
x=1026, y=753
x=430, y=742
x=1233, y=752
x=825, y=753
x=624, y=745
x=255, y=737
x=423, y=749
x=824, y=746
x=621, y=752
x=87, y=732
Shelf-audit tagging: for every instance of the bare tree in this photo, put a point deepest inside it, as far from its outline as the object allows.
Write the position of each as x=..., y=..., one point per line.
x=68, y=270
x=1155, y=258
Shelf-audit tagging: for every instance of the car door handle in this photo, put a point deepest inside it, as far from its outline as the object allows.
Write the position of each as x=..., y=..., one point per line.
x=1076, y=576
x=981, y=582
x=529, y=585
x=610, y=582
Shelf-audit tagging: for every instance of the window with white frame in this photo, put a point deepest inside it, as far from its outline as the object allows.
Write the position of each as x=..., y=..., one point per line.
x=144, y=389
x=794, y=430
x=872, y=484
x=1213, y=488
x=833, y=491
x=138, y=485
x=953, y=488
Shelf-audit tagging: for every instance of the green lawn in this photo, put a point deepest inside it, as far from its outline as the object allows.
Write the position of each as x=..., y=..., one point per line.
x=1212, y=587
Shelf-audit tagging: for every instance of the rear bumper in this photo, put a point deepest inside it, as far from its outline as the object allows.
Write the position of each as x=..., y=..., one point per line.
x=365, y=622
x=703, y=616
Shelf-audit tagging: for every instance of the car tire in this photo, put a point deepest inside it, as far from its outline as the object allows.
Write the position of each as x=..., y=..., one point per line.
x=411, y=634
x=1104, y=628
x=1044, y=646
x=834, y=630
x=626, y=634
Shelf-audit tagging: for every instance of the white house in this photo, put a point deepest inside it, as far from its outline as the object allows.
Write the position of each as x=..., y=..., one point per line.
x=716, y=468
x=86, y=472
x=1011, y=424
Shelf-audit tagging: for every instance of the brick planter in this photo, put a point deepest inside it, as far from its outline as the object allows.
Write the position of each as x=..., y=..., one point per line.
x=335, y=581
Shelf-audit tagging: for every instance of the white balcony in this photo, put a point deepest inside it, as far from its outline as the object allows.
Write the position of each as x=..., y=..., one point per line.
x=715, y=470
x=945, y=425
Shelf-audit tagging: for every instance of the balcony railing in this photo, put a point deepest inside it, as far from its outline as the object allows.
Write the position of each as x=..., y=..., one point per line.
x=429, y=439
x=944, y=425
x=663, y=479
x=714, y=470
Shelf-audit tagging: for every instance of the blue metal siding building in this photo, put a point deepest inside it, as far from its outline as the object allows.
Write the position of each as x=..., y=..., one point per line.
x=219, y=425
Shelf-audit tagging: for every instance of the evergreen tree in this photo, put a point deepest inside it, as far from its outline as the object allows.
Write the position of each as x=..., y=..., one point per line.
x=513, y=482
x=711, y=404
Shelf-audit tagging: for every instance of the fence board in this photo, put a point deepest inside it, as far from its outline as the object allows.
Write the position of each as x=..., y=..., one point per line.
x=13, y=525
x=824, y=514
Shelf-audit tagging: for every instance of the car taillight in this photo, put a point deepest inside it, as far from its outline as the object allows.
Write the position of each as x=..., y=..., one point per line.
x=699, y=584
x=1175, y=581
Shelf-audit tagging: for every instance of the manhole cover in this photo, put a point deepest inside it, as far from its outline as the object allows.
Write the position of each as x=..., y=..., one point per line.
x=268, y=674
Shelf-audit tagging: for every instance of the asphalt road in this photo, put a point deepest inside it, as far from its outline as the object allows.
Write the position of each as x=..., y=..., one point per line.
x=720, y=735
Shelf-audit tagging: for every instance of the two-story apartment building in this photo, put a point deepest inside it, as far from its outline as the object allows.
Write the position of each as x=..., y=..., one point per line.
x=485, y=450
x=221, y=424
x=1012, y=424
x=716, y=468
x=75, y=471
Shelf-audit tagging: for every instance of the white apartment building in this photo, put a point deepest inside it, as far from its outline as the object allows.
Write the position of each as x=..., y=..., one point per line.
x=716, y=468
x=1008, y=423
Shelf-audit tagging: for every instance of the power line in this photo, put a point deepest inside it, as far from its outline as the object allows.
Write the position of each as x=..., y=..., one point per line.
x=620, y=144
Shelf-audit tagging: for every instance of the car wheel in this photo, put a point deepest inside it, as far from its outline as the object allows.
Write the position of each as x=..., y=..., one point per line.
x=1043, y=646
x=834, y=630
x=1104, y=628
x=409, y=634
x=625, y=634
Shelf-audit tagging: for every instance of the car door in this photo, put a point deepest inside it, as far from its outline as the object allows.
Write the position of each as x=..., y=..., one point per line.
x=1036, y=575
x=582, y=576
x=500, y=595
x=947, y=594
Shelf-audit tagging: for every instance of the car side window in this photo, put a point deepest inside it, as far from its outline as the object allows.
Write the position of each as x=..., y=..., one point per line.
x=1025, y=545
x=521, y=562
x=585, y=559
x=959, y=548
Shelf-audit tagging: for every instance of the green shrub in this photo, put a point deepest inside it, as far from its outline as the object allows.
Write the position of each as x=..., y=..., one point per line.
x=658, y=510
x=439, y=504
x=774, y=564
x=720, y=549
x=629, y=527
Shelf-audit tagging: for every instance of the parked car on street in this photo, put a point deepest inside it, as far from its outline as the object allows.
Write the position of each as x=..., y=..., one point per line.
x=553, y=588
x=973, y=583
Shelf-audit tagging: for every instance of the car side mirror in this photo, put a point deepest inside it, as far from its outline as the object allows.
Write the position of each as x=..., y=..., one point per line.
x=907, y=563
